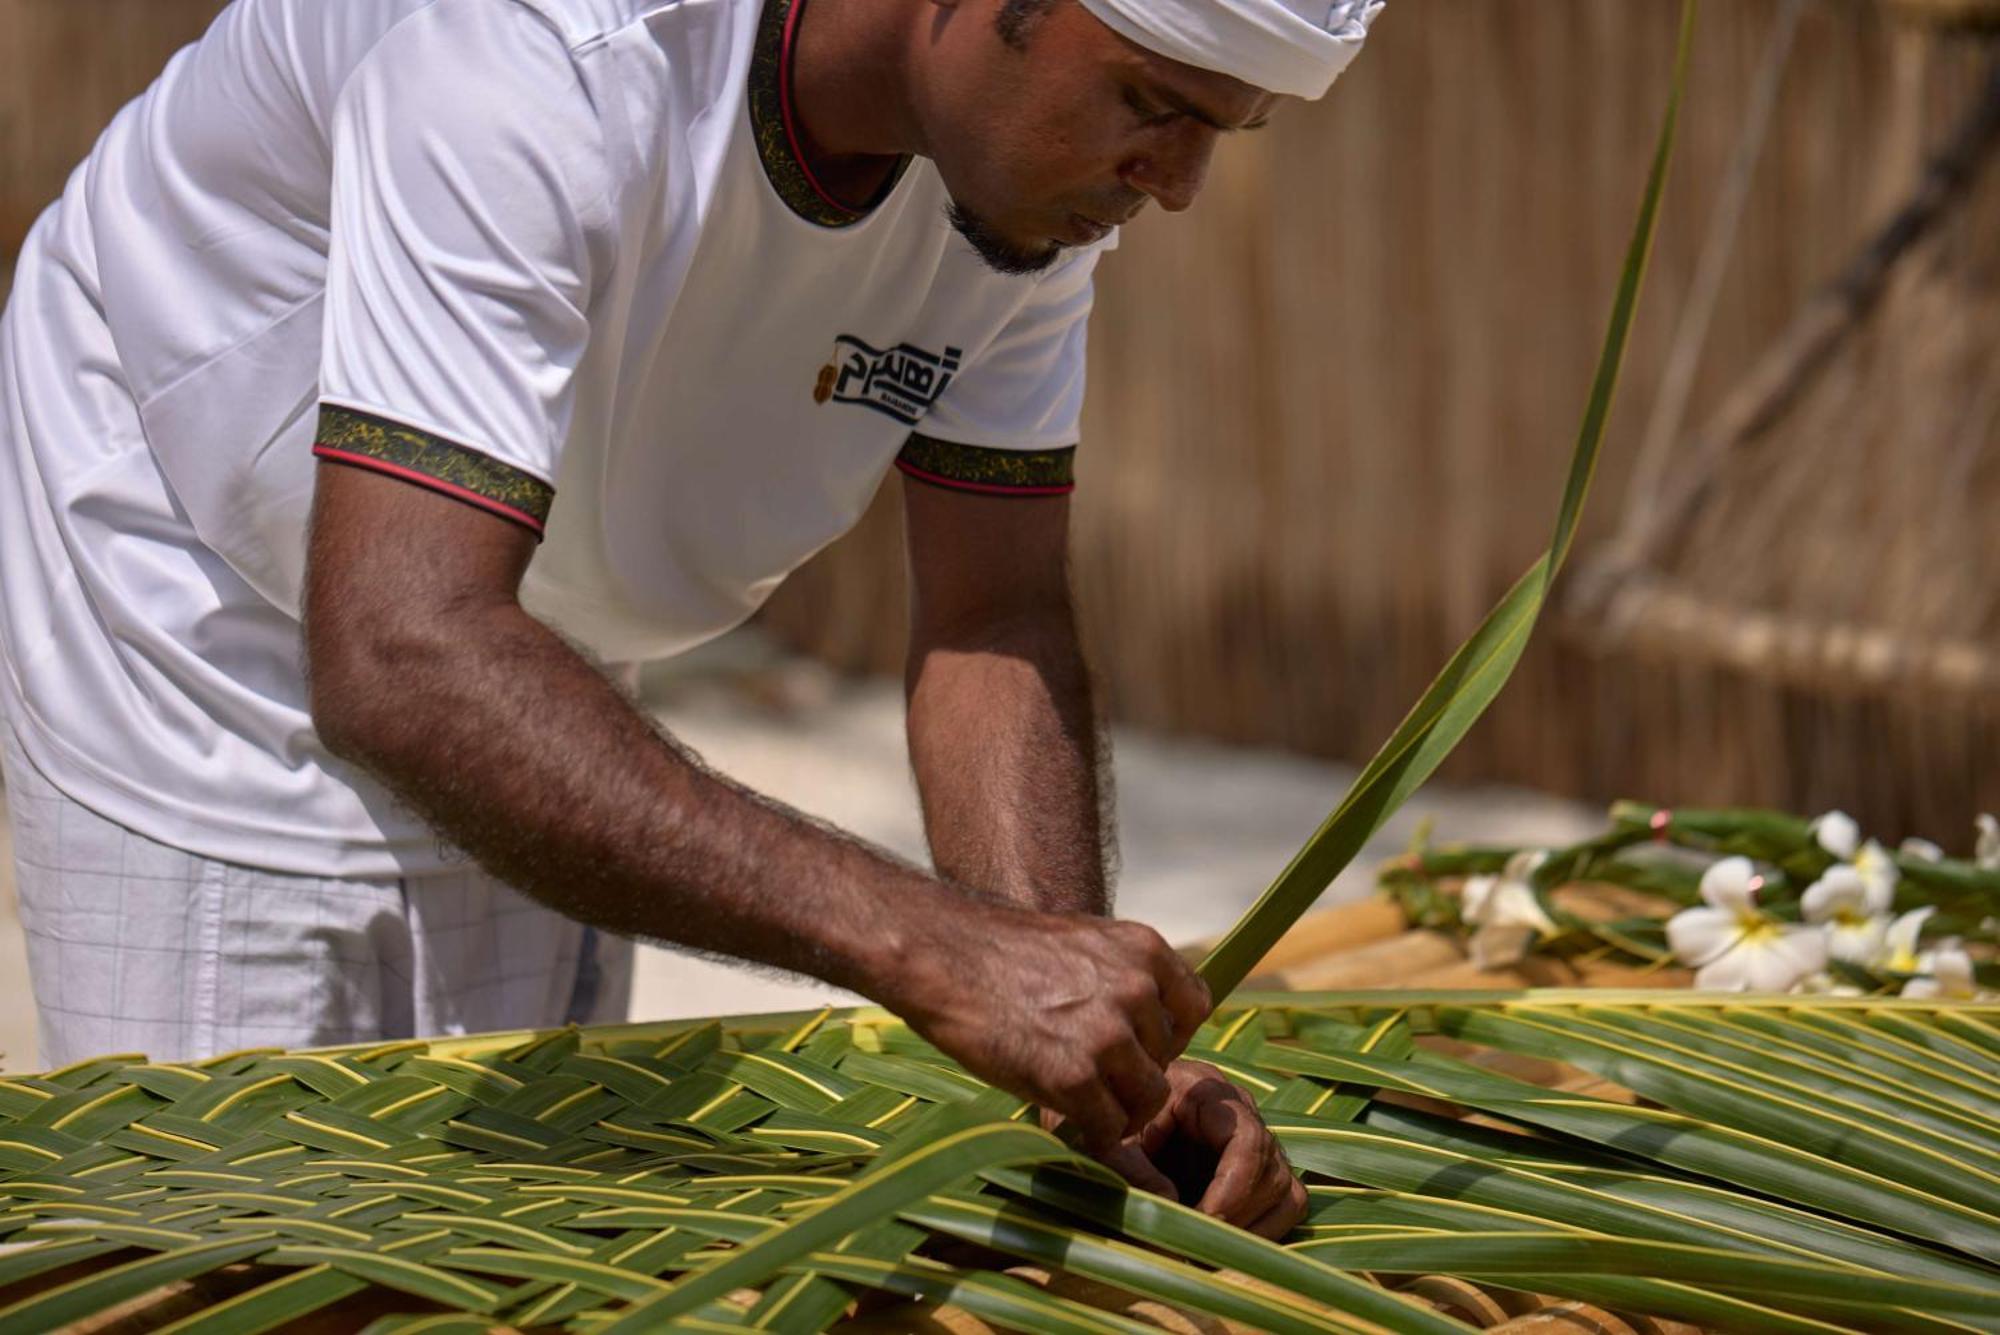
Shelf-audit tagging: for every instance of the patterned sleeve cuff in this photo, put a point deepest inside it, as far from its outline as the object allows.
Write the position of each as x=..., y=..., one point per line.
x=361, y=440
x=990, y=472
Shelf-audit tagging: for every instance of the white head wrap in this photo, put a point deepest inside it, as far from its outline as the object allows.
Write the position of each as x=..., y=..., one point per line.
x=1294, y=47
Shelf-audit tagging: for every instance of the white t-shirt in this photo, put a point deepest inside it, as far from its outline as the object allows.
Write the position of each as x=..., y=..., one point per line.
x=556, y=258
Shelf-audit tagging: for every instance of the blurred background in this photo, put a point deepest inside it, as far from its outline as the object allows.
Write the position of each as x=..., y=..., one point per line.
x=1329, y=418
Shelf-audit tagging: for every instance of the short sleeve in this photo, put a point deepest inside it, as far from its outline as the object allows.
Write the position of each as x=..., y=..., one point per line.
x=1009, y=422
x=470, y=212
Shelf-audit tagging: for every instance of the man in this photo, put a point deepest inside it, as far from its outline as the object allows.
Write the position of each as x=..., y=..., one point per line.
x=599, y=317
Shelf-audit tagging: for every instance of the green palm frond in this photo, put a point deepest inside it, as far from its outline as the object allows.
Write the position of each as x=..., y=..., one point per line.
x=1478, y=672
x=764, y=1174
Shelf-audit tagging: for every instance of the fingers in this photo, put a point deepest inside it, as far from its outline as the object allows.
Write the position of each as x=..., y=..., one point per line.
x=1158, y=992
x=1183, y=993
x=1221, y=1123
x=1088, y=1031
x=1123, y=1091
x=1088, y=1104
x=1283, y=1217
x=1151, y=1025
x=1254, y=1186
x=1276, y=1203
x=1129, y=1161
x=1161, y=1129
x=1137, y=1082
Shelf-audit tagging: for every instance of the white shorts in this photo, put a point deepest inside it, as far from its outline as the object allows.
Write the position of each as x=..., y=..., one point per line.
x=137, y=947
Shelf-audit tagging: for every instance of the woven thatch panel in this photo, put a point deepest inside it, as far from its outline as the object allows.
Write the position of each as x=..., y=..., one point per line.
x=1331, y=406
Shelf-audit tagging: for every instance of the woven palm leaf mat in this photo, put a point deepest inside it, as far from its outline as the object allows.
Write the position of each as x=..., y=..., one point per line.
x=1786, y=1165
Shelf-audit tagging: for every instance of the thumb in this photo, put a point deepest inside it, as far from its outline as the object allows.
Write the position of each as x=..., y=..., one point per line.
x=1130, y=1162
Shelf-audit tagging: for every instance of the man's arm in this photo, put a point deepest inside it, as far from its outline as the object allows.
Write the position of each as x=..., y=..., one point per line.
x=1004, y=736
x=426, y=672
x=1006, y=746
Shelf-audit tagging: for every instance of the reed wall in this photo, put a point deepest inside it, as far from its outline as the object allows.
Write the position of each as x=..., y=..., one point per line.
x=66, y=66
x=1331, y=406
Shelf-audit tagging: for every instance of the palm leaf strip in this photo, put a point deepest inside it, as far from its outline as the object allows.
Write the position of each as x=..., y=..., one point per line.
x=508, y=1181
x=1474, y=676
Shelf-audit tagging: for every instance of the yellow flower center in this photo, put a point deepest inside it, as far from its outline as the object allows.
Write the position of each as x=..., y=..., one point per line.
x=1755, y=927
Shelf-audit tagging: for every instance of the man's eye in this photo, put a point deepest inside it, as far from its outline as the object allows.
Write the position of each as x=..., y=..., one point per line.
x=1149, y=115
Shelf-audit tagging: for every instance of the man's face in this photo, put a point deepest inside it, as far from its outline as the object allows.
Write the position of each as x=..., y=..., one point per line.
x=1053, y=141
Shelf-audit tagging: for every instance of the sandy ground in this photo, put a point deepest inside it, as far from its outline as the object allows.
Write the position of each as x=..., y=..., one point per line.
x=1204, y=827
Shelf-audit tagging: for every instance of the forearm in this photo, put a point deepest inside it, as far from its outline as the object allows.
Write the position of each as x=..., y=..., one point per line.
x=424, y=670
x=1008, y=756
x=512, y=746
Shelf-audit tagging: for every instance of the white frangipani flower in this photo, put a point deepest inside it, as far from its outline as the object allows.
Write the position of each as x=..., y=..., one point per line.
x=1498, y=901
x=1947, y=973
x=1837, y=833
x=1824, y=984
x=1505, y=911
x=1852, y=910
x=1877, y=867
x=1923, y=850
x=1899, y=946
x=1986, y=853
x=1735, y=946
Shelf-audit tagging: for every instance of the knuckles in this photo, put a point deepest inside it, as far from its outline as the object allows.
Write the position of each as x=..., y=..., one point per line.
x=1200, y=1075
x=1105, y=1046
x=1141, y=938
x=1134, y=994
x=1072, y=1085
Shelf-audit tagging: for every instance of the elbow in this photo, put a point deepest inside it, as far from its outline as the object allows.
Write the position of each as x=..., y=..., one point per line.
x=364, y=686
x=1008, y=626
x=1041, y=635
x=342, y=731
x=345, y=711
x=379, y=685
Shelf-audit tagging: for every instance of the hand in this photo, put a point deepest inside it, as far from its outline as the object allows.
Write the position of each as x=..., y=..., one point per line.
x=1078, y=1013
x=1240, y=1172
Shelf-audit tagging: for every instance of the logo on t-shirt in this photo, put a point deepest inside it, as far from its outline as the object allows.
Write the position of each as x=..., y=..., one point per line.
x=903, y=381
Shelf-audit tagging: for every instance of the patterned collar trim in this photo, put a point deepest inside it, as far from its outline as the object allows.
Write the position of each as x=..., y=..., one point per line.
x=772, y=125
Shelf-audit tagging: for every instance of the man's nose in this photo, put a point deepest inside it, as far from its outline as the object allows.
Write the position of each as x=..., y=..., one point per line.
x=1172, y=174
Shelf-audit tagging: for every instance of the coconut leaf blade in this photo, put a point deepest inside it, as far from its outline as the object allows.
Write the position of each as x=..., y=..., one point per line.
x=1477, y=672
